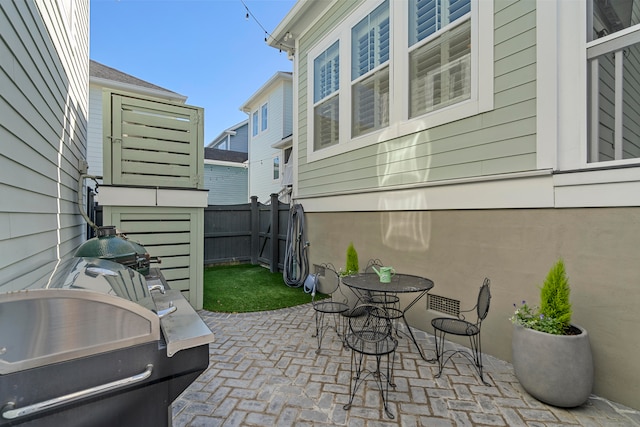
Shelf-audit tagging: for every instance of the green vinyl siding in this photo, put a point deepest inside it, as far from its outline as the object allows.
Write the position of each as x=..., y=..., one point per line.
x=174, y=235
x=332, y=17
x=43, y=125
x=152, y=143
x=499, y=141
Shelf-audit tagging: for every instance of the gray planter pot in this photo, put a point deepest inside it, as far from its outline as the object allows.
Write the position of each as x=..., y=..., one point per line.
x=555, y=369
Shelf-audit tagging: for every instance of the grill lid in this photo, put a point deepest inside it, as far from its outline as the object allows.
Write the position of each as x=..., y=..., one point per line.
x=109, y=245
x=89, y=306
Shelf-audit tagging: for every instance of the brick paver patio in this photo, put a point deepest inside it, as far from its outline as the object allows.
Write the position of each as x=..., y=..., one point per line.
x=264, y=372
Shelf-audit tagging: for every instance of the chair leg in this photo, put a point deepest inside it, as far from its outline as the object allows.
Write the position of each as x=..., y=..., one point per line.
x=476, y=348
x=322, y=325
x=389, y=382
x=383, y=381
x=439, y=339
x=474, y=355
x=354, y=380
x=319, y=333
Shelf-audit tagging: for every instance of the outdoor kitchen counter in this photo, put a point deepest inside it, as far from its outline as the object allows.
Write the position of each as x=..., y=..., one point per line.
x=181, y=325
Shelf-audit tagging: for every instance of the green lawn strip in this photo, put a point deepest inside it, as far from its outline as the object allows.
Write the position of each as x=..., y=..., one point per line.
x=247, y=288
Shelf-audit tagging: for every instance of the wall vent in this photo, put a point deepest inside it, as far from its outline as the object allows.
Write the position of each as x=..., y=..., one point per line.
x=443, y=305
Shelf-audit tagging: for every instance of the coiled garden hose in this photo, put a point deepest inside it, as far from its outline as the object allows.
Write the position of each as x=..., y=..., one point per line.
x=296, y=263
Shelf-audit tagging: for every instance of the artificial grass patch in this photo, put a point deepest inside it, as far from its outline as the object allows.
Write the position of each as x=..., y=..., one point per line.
x=246, y=288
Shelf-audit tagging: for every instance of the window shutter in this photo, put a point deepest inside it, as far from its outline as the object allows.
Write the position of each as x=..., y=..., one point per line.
x=369, y=51
x=325, y=86
x=459, y=66
x=326, y=73
x=458, y=8
x=428, y=16
x=440, y=71
x=423, y=20
x=370, y=45
x=326, y=123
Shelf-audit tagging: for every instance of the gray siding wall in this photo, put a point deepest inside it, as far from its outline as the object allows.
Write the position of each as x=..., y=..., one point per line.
x=261, y=182
x=43, y=130
x=240, y=141
x=499, y=141
x=94, y=143
x=227, y=185
x=287, y=112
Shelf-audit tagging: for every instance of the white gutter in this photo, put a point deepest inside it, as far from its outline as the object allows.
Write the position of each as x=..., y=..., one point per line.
x=226, y=163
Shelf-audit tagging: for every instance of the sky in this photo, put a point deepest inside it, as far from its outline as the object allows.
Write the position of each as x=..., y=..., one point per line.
x=204, y=49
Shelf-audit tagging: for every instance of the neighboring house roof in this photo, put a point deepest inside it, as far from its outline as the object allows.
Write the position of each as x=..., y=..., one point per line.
x=280, y=75
x=285, y=142
x=228, y=131
x=103, y=75
x=225, y=155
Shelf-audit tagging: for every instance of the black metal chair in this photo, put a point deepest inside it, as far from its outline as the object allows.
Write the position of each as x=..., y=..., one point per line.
x=329, y=309
x=370, y=334
x=389, y=301
x=461, y=327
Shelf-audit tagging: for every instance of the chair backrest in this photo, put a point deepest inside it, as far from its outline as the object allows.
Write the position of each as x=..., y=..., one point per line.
x=484, y=299
x=373, y=263
x=372, y=325
x=327, y=283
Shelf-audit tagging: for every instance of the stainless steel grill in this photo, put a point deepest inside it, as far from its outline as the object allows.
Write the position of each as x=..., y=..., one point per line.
x=97, y=344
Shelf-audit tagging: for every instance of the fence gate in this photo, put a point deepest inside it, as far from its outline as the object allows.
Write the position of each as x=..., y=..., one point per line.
x=152, y=143
x=153, y=162
x=250, y=232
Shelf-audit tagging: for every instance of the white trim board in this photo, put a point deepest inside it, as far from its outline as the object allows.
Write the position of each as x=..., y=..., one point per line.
x=132, y=196
x=604, y=188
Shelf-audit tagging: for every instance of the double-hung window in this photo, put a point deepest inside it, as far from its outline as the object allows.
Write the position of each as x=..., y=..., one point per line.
x=276, y=167
x=254, y=123
x=326, y=85
x=263, y=117
x=613, y=55
x=370, y=72
x=439, y=54
x=406, y=66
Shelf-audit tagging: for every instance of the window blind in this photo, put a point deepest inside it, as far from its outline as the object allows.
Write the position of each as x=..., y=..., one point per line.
x=440, y=71
x=428, y=16
x=369, y=53
x=326, y=73
x=326, y=83
x=370, y=42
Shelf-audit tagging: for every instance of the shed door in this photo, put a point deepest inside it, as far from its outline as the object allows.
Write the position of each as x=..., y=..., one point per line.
x=152, y=143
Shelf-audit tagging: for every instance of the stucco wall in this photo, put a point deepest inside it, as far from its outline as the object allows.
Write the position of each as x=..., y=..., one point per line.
x=514, y=248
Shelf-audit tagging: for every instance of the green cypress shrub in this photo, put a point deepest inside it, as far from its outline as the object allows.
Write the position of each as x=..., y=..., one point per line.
x=554, y=296
x=352, y=260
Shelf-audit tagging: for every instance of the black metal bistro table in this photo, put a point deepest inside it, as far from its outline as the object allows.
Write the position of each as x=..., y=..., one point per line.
x=362, y=284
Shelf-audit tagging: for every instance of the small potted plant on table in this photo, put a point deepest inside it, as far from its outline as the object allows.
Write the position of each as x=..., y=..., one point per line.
x=551, y=357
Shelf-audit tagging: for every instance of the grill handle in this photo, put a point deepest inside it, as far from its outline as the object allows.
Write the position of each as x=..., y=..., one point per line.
x=10, y=413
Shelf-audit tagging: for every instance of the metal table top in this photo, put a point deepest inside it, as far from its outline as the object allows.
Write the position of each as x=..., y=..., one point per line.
x=400, y=283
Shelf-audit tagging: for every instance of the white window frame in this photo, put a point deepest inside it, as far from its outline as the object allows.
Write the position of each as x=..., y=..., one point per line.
x=399, y=124
x=264, y=117
x=255, y=123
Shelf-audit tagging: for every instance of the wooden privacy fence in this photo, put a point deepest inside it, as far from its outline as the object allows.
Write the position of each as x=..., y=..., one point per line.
x=248, y=233
x=237, y=233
